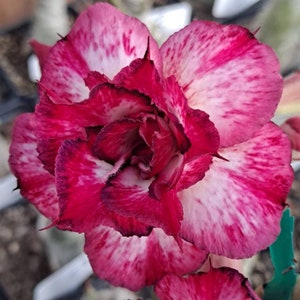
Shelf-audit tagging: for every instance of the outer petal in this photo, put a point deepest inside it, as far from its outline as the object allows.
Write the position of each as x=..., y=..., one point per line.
x=217, y=284
x=128, y=195
x=136, y=262
x=227, y=73
x=240, y=201
x=102, y=39
x=36, y=184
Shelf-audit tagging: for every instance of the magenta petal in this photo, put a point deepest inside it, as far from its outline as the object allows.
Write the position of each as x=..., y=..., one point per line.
x=128, y=195
x=134, y=262
x=36, y=184
x=95, y=78
x=227, y=73
x=202, y=134
x=80, y=178
x=217, y=284
x=241, y=197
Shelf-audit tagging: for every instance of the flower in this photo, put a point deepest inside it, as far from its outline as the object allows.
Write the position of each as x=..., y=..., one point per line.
x=223, y=283
x=158, y=155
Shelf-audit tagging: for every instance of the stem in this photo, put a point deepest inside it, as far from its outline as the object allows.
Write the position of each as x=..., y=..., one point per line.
x=282, y=255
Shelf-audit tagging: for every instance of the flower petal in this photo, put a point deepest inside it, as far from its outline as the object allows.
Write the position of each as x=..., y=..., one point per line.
x=128, y=195
x=134, y=262
x=217, y=284
x=80, y=178
x=117, y=139
x=36, y=184
x=227, y=73
x=59, y=122
x=41, y=51
x=240, y=198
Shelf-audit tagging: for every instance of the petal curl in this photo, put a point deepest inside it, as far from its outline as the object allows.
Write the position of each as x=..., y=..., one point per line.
x=128, y=194
x=227, y=73
x=217, y=284
x=36, y=184
x=240, y=200
x=80, y=178
x=102, y=39
x=134, y=262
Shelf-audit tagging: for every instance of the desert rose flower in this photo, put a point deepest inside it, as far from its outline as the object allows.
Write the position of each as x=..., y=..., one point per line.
x=217, y=284
x=158, y=155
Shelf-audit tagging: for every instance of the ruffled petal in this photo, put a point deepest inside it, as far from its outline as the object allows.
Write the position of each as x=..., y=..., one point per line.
x=59, y=122
x=117, y=140
x=226, y=72
x=240, y=198
x=217, y=284
x=128, y=195
x=134, y=262
x=80, y=178
x=36, y=184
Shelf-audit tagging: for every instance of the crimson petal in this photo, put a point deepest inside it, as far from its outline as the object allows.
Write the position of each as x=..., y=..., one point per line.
x=128, y=195
x=217, y=284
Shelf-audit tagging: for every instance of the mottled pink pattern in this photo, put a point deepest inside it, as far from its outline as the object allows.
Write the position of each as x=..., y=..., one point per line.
x=239, y=202
x=35, y=183
x=155, y=153
x=135, y=262
x=216, y=284
x=225, y=72
x=103, y=40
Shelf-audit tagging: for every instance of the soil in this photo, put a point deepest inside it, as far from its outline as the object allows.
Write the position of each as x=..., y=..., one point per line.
x=23, y=261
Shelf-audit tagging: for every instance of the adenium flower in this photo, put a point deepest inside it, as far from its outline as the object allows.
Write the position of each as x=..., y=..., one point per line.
x=157, y=155
x=217, y=284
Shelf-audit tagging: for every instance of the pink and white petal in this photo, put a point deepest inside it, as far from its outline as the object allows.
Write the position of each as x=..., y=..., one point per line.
x=35, y=183
x=241, y=198
x=63, y=74
x=135, y=262
x=112, y=103
x=127, y=194
x=80, y=178
x=108, y=40
x=292, y=128
x=217, y=284
x=226, y=72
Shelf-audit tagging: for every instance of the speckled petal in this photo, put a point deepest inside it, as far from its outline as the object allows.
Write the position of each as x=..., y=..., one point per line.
x=240, y=199
x=226, y=72
x=135, y=262
x=102, y=39
x=35, y=183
